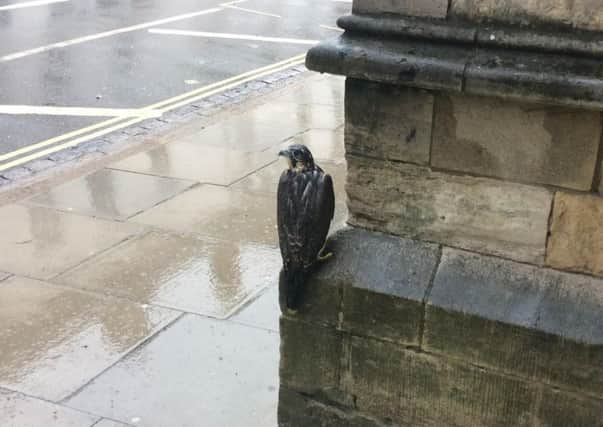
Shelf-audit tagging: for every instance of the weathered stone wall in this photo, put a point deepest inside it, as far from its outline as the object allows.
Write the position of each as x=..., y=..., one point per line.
x=487, y=175
x=400, y=332
x=482, y=301
x=468, y=290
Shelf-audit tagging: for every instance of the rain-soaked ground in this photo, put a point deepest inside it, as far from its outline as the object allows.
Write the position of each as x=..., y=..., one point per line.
x=91, y=54
x=145, y=293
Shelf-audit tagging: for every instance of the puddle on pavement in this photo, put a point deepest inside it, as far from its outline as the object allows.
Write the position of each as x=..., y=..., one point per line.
x=197, y=161
x=41, y=243
x=110, y=194
x=56, y=339
x=218, y=212
x=220, y=372
x=185, y=272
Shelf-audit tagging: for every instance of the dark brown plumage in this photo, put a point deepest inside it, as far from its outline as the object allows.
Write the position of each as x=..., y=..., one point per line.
x=305, y=208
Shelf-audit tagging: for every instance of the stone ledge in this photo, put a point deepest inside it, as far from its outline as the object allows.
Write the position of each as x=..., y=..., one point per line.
x=521, y=319
x=576, y=42
x=371, y=270
x=535, y=322
x=516, y=75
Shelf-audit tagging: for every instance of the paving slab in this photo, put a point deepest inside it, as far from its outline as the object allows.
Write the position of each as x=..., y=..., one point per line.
x=319, y=90
x=218, y=212
x=196, y=161
x=266, y=179
x=111, y=194
x=57, y=339
x=325, y=144
x=41, y=243
x=17, y=410
x=198, y=369
x=247, y=132
x=185, y=272
x=263, y=312
x=298, y=116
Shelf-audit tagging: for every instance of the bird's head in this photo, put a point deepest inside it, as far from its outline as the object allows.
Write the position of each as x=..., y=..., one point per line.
x=299, y=157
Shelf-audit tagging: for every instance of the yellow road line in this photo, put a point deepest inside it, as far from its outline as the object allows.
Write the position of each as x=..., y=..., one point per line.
x=167, y=105
x=159, y=105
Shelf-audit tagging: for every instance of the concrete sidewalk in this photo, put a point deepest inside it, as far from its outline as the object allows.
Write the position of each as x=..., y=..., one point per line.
x=144, y=293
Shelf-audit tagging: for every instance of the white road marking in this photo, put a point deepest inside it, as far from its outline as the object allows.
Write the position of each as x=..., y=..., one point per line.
x=231, y=36
x=328, y=27
x=111, y=125
x=29, y=4
x=97, y=36
x=78, y=111
x=257, y=12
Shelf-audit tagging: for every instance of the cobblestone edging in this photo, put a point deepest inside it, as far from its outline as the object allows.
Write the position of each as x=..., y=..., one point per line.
x=116, y=141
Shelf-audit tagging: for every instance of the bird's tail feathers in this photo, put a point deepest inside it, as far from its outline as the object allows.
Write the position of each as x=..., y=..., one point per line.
x=291, y=288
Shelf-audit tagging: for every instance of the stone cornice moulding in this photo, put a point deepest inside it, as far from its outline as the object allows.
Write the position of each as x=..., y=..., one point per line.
x=564, y=68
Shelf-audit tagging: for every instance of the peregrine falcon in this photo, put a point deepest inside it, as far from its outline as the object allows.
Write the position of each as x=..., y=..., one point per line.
x=305, y=208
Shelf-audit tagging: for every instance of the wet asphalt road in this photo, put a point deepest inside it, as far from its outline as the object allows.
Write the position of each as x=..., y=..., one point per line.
x=124, y=62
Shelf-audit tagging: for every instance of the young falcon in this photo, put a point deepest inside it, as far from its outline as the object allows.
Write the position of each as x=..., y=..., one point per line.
x=305, y=207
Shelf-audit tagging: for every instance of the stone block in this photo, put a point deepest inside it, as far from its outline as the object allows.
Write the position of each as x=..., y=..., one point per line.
x=297, y=410
x=559, y=409
x=576, y=240
x=427, y=8
x=387, y=121
x=310, y=357
x=385, y=297
x=513, y=141
x=482, y=309
x=571, y=316
x=586, y=14
x=319, y=301
x=479, y=214
x=415, y=389
x=531, y=322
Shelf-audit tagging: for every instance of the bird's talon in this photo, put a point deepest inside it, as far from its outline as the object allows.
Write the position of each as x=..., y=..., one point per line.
x=325, y=257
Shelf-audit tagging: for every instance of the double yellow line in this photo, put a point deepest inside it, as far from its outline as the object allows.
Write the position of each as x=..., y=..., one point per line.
x=71, y=139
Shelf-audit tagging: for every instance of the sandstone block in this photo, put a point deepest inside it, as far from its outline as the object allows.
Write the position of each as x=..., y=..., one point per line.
x=297, y=410
x=559, y=409
x=415, y=389
x=519, y=142
x=387, y=121
x=473, y=213
x=576, y=241
x=384, y=296
x=528, y=321
x=430, y=8
x=578, y=13
x=310, y=357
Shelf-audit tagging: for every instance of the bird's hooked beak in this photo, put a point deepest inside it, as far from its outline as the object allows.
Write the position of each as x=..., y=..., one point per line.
x=286, y=154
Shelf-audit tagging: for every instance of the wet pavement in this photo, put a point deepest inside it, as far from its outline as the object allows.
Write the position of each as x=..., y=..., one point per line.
x=145, y=293
x=131, y=55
